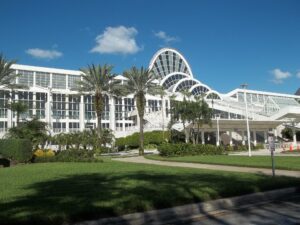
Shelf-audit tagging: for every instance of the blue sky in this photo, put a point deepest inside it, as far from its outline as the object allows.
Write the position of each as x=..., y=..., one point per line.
x=226, y=42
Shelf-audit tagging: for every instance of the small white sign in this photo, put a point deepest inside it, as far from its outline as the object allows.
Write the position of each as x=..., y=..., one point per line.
x=271, y=140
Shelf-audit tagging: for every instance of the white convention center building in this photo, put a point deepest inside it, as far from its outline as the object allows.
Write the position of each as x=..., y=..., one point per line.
x=52, y=99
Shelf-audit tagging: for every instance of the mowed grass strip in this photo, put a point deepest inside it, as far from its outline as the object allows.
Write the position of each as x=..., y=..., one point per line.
x=56, y=193
x=281, y=162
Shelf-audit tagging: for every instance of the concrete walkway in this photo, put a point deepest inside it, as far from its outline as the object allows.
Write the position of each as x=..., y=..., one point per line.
x=142, y=160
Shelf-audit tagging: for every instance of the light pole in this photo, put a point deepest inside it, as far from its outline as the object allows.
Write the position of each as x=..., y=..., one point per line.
x=244, y=86
x=218, y=130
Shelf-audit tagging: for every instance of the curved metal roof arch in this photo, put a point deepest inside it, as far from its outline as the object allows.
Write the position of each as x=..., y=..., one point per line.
x=159, y=52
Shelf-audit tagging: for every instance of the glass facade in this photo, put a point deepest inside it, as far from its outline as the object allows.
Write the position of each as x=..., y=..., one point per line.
x=42, y=79
x=59, y=81
x=25, y=77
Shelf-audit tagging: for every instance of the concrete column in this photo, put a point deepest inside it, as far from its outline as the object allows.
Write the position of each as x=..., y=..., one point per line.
x=275, y=134
x=112, y=121
x=217, y=138
x=81, y=113
x=34, y=104
x=265, y=137
x=254, y=138
x=243, y=137
x=9, y=112
x=202, y=137
x=230, y=136
x=67, y=112
x=294, y=135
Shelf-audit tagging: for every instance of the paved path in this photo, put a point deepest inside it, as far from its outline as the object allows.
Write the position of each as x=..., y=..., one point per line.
x=285, y=212
x=142, y=160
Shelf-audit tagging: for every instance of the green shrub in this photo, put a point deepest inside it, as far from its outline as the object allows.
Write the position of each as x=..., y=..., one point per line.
x=19, y=150
x=150, y=138
x=70, y=155
x=183, y=149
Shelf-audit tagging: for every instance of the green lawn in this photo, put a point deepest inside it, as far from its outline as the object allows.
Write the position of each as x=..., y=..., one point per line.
x=54, y=193
x=281, y=162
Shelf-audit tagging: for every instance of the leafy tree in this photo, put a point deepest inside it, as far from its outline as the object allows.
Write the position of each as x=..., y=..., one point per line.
x=34, y=130
x=140, y=83
x=98, y=80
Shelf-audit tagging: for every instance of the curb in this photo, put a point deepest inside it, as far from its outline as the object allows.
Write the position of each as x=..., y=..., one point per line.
x=183, y=213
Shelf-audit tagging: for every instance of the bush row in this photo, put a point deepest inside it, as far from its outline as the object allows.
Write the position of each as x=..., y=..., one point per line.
x=19, y=150
x=168, y=150
x=70, y=155
x=150, y=138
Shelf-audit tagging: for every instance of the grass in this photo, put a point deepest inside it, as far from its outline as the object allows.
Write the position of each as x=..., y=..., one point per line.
x=57, y=193
x=281, y=162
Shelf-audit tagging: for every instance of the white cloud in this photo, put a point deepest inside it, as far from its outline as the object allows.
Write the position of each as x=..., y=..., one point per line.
x=166, y=38
x=279, y=75
x=43, y=53
x=298, y=74
x=119, y=40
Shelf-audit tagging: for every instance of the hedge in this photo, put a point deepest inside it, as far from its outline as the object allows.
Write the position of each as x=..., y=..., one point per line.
x=132, y=141
x=184, y=149
x=19, y=150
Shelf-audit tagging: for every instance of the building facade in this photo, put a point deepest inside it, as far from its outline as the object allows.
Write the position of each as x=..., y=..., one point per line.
x=52, y=97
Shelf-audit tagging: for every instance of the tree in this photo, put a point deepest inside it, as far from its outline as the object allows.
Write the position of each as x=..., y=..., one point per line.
x=34, y=130
x=140, y=83
x=202, y=114
x=7, y=74
x=98, y=80
x=18, y=108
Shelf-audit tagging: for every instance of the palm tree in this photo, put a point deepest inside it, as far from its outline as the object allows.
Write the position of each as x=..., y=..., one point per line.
x=7, y=74
x=140, y=83
x=18, y=108
x=99, y=81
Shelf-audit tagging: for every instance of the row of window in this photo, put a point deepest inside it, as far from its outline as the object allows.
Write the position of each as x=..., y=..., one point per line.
x=59, y=81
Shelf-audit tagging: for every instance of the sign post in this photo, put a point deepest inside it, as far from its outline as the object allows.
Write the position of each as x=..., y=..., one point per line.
x=271, y=140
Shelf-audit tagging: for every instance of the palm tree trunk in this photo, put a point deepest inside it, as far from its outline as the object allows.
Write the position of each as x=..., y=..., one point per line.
x=141, y=147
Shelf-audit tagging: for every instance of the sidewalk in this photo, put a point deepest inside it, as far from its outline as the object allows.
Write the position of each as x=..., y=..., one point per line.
x=141, y=159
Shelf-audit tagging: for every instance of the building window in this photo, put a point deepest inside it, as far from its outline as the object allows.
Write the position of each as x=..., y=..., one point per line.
x=25, y=77
x=89, y=108
x=41, y=99
x=59, y=81
x=4, y=96
x=42, y=79
x=73, y=127
x=27, y=98
x=73, y=81
x=74, y=101
x=129, y=106
x=3, y=126
x=118, y=109
x=105, y=113
x=59, y=106
x=119, y=126
x=59, y=127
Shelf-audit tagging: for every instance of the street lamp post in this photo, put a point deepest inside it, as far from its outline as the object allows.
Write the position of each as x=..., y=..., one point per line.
x=218, y=130
x=244, y=86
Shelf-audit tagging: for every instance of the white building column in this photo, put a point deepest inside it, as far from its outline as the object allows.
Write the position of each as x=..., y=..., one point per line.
x=217, y=138
x=48, y=109
x=243, y=137
x=265, y=137
x=230, y=138
x=67, y=113
x=112, y=120
x=9, y=112
x=294, y=135
x=202, y=137
x=34, y=104
x=81, y=113
x=254, y=138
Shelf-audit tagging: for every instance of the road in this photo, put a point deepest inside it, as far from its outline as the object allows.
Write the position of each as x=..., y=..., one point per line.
x=283, y=212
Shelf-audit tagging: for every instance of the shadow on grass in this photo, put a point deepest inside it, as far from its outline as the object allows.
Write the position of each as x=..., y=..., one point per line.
x=93, y=196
